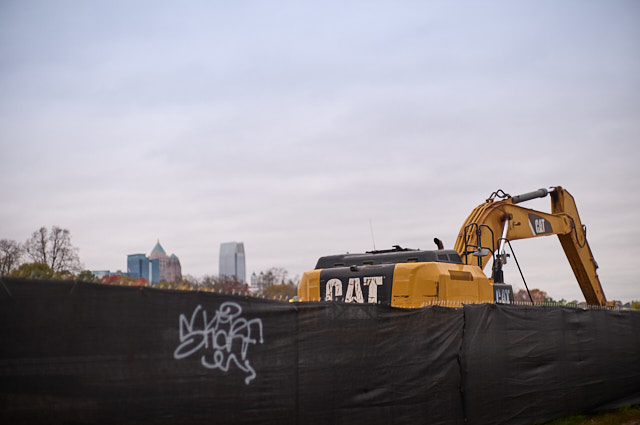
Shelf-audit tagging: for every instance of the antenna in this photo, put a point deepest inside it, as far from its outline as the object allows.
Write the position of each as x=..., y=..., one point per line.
x=372, y=238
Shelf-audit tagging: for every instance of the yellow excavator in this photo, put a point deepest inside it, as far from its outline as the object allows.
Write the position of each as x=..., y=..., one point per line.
x=412, y=278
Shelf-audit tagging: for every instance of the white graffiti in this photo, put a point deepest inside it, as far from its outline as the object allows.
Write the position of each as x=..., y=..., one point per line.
x=225, y=338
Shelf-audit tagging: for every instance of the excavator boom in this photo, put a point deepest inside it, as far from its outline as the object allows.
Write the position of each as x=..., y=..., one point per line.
x=492, y=223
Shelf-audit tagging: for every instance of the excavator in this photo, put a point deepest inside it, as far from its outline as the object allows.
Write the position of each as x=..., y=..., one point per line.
x=413, y=278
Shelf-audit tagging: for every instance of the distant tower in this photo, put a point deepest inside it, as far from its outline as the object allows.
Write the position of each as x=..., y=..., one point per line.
x=158, y=267
x=138, y=266
x=232, y=260
x=158, y=264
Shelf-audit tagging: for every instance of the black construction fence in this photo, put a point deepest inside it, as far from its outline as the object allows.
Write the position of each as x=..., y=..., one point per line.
x=80, y=353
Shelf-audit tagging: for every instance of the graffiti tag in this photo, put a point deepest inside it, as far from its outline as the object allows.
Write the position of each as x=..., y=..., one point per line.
x=225, y=338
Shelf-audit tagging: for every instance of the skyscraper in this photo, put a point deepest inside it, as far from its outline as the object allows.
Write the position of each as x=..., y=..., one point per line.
x=158, y=267
x=232, y=260
x=138, y=266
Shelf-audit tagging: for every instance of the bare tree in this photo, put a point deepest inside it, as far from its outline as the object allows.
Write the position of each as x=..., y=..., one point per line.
x=230, y=284
x=273, y=276
x=54, y=249
x=10, y=254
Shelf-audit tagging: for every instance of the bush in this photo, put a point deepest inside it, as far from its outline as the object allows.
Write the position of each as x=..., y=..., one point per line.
x=39, y=271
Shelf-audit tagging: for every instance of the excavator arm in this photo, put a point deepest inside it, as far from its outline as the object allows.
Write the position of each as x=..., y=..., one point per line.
x=491, y=224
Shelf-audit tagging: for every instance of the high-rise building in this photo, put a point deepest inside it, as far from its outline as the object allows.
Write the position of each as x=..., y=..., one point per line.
x=156, y=268
x=232, y=262
x=138, y=266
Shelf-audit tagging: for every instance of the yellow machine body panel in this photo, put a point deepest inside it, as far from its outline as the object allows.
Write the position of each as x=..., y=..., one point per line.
x=406, y=285
x=309, y=286
x=417, y=284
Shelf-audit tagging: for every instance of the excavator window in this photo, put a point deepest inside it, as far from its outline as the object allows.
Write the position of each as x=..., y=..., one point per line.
x=455, y=258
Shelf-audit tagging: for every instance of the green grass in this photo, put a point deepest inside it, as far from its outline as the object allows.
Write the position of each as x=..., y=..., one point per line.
x=624, y=416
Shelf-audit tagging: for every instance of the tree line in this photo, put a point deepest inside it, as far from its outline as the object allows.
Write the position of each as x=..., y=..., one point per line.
x=49, y=254
x=272, y=283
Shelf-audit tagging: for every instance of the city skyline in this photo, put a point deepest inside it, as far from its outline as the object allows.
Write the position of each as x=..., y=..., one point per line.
x=155, y=268
x=231, y=257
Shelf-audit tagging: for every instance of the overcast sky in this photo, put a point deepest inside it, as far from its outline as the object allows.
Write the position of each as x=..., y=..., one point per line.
x=296, y=127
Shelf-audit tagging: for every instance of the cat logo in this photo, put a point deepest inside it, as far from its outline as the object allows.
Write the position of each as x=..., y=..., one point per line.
x=354, y=294
x=502, y=294
x=539, y=225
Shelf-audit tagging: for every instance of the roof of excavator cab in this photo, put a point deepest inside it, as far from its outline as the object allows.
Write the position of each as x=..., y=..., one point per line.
x=392, y=256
